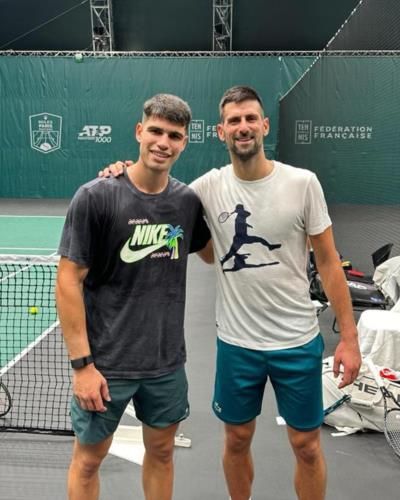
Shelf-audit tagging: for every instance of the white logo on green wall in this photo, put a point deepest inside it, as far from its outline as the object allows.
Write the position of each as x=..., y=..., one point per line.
x=303, y=132
x=196, y=131
x=306, y=132
x=200, y=132
x=45, y=132
x=96, y=133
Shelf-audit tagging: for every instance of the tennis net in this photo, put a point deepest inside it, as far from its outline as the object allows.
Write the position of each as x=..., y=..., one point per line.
x=33, y=360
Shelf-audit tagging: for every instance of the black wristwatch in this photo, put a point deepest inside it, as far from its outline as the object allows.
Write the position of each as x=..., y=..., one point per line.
x=81, y=362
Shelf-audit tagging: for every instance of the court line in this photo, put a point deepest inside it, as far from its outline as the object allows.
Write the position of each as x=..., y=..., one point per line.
x=34, y=216
x=23, y=353
x=11, y=275
x=28, y=248
x=28, y=266
x=38, y=339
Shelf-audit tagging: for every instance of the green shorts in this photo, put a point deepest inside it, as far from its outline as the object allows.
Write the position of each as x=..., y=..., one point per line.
x=159, y=402
x=295, y=374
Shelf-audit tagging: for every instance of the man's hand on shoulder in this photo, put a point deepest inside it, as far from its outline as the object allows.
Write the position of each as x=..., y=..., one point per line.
x=115, y=169
x=207, y=253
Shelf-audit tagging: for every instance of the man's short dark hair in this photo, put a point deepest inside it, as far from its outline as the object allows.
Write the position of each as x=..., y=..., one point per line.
x=238, y=94
x=169, y=107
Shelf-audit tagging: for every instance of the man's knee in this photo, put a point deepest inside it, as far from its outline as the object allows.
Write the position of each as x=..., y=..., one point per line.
x=159, y=444
x=306, y=446
x=88, y=458
x=87, y=465
x=161, y=453
x=238, y=437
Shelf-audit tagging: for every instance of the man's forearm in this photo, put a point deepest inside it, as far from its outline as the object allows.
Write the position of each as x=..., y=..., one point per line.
x=337, y=291
x=89, y=386
x=347, y=354
x=71, y=311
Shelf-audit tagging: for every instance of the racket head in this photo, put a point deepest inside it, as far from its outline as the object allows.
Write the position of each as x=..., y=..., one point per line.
x=392, y=429
x=223, y=217
x=391, y=417
x=5, y=400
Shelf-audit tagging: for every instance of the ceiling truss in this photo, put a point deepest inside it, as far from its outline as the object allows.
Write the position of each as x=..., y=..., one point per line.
x=222, y=25
x=102, y=25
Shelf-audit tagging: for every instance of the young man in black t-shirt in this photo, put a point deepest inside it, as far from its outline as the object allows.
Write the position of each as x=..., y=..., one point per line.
x=121, y=298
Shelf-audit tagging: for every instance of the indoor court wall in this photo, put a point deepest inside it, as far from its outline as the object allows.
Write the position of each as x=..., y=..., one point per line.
x=340, y=120
x=64, y=119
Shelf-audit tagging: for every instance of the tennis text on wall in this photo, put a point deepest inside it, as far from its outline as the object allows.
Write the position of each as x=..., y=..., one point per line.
x=199, y=131
x=306, y=132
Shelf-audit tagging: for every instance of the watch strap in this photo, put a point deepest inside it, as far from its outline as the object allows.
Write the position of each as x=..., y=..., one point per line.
x=81, y=362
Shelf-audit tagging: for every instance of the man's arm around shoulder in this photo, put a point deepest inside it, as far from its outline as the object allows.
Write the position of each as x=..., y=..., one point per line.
x=89, y=386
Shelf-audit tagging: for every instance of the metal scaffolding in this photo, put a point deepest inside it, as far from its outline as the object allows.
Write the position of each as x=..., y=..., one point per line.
x=102, y=25
x=222, y=25
x=216, y=54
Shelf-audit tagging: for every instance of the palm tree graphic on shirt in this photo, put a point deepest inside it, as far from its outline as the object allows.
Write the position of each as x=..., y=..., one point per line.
x=174, y=234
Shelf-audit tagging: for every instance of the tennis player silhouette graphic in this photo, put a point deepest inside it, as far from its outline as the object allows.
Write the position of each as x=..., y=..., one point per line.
x=241, y=238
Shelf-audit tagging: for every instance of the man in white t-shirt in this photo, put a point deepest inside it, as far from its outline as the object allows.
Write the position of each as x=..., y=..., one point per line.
x=267, y=326
x=261, y=214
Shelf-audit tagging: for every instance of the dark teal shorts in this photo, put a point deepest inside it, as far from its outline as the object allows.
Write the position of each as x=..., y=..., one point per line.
x=159, y=402
x=295, y=374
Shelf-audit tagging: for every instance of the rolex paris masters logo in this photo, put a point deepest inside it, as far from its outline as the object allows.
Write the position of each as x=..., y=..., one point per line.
x=45, y=132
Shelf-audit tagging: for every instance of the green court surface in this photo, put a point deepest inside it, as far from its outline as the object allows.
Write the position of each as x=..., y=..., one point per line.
x=27, y=307
x=24, y=286
x=30, y=235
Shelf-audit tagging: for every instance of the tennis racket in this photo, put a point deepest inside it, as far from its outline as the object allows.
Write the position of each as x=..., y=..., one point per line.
x=5, y=400
x=392, y=414
x=224, y=216
x=337, y=404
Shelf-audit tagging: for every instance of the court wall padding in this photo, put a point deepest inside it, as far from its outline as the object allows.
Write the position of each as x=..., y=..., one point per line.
x=62, y=120
x=341, y=122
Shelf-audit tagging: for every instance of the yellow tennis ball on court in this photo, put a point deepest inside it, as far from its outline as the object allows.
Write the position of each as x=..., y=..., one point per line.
x=33, y=310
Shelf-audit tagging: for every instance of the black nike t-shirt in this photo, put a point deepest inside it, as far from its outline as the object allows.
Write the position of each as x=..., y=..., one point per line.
x=136, y=247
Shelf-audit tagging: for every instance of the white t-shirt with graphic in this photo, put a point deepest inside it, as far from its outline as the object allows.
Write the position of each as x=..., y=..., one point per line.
x=260, y=229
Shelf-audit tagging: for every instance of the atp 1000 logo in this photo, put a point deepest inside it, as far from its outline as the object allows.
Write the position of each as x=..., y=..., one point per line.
x=45, y=132
x=96, y=133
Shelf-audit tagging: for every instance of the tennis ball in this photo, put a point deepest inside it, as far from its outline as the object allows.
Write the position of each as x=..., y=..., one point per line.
x=78, y=57
x=33, y=310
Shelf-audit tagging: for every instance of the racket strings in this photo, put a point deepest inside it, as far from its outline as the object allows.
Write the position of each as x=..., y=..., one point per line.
x=392, y=429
